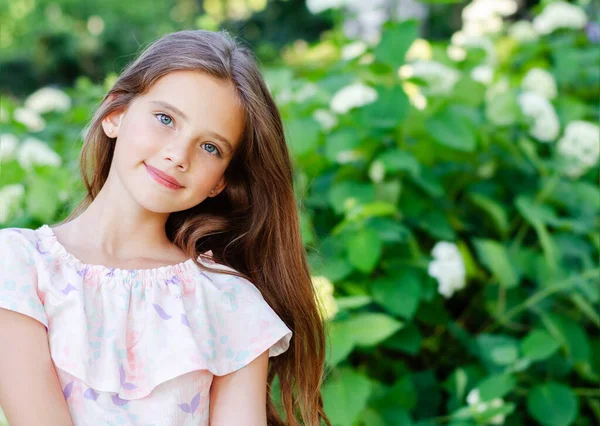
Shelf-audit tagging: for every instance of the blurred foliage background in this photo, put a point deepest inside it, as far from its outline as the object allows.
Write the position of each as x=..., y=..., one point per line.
x=447, y=175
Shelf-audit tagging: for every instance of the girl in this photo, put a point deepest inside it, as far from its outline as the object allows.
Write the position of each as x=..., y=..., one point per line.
x=162, y=298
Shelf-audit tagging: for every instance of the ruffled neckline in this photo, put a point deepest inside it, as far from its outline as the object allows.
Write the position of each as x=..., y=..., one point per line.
x=50, y=244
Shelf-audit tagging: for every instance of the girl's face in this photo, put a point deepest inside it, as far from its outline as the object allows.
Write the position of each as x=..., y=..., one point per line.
x=187, y=126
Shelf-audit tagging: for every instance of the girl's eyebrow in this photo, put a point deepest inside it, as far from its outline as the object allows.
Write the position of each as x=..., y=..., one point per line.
x=180, y=113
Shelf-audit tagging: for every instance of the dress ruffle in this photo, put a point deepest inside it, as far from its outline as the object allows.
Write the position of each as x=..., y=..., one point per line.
x=127, y=331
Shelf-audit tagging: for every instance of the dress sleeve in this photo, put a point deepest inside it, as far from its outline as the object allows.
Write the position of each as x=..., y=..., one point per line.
x=18, y=276
x=244, y=326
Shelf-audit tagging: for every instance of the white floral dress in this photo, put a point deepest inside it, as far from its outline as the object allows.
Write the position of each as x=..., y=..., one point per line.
x=136, y=347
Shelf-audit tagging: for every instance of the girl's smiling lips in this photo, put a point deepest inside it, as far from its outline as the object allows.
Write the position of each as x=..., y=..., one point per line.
x=163, y=178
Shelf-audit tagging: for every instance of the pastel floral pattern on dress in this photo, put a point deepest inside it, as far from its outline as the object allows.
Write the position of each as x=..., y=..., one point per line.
x=136, y=347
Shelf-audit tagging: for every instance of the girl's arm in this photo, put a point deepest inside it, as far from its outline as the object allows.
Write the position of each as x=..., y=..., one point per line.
x=30, y=392
x=240, y=398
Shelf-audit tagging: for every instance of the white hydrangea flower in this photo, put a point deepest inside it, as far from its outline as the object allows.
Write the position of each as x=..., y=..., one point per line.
x=448, y=268
x=36, y=152
x=377, y=171
x=352, y=96
x=540, y=81
x=523, y=31
x=440, y=79
x=479, y=406
x=470, y=41
x=10, y=198
x=48, y=99
x=353, y=50
x=305, y=92
x=318, y=6
x=485, y=16
x=420, y=49
x=559, y=14
x=8, y=146
x=456, y=53
x=483, y=74
x=324, y=292
x=29, y=118
x=545, y=125
x=325, y=118
x=416, y=98
x=580, y=145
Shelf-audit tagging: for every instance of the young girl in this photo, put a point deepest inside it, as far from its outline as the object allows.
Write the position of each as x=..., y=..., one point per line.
x=178, y=289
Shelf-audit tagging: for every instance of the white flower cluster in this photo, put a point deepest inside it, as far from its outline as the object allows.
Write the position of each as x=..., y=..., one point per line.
x=540, y=81
x=352, y=96
x=440, y=79
x=478, y=406
x=304, y=93
x=324, y=293
x=364, y=20
x=523, y=31
x=48, y=99
x=29, y=153
x=40, y=102
x=559, y=14
x=544, y=123
x=485, y=16
x=448, y=268
x=580, y=146
x=325, y=118
x=10, y=200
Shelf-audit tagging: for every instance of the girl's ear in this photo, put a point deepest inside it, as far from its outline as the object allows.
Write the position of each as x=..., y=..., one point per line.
x=220, y=186
x=111, y=123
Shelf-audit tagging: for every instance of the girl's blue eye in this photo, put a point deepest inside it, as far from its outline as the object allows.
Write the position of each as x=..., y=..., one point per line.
x=164, y=118
x=216, y=150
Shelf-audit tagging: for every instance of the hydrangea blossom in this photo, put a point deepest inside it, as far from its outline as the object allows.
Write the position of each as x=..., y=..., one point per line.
x=545, y=125
x=448, y=268
x=559, y=14
x=324, y=292
x=540, y=81
x=580, y=145
x=48, y=99
x=352, y=96
x=8, y=146
x=36, y=152
x=325, y=118
x=479, y=406
x=523, y=31
x=30, y=118
x=440, y=79
x=485, y=16
x=10, y=197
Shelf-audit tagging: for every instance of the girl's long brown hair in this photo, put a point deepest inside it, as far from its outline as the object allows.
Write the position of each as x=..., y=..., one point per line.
x=252, y=226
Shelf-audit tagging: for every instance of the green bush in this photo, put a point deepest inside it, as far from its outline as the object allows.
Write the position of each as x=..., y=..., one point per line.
x=448, y=191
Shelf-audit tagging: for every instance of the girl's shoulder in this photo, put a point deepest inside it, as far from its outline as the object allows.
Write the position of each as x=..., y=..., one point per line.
x=17, y=242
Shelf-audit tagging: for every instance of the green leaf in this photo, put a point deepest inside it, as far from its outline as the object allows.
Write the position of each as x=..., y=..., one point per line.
x=539, y=345
x=345, y=395
x=340, y=342
x=495, y=257
x=397, y=160
x=407, y=339
x=41, y=199
x=399, y=294
x=553, y=404
x=352, y=302
x=343, y=191
x=494, y=210
x=452, y=130
x=396, y=38
x=389, y=110
x=502, y=109
x=339, y=141
x=364, y=250
x=303, y=135
x=370, y=328
x=496, y=386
